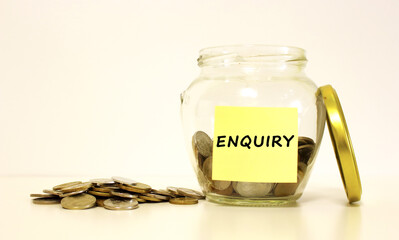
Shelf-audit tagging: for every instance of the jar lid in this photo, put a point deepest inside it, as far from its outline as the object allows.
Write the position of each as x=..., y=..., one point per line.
x=342, y=143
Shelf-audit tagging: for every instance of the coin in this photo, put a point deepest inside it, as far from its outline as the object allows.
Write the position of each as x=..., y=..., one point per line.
x=100, y=202
x=123, y=180
x=151, y=199
x=287, y=189
x=200, y=159
x=227, y=192
x=216, y=184
x=65, y=185
x=102, y=181
x=183, y=201
x=305, y=140
x=76, y=202
x=42, y=195
x=140, y=200
x=190, y=193
x=100, y=194
x=71, y=193
x=162, y=192
x=123, y=194
x=157, y=196
x=46, y=200
x=173, y=190
x=302, y=166
x=252, y=189
x=77, y=187
x=305, y=152
x=52, y=192
x=137, y=188
x=103, y=189
x=202, y=143
x=120, y=204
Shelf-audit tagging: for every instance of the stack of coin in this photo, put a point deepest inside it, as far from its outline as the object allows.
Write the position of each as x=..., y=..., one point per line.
x=116, y=193
x=202, y=148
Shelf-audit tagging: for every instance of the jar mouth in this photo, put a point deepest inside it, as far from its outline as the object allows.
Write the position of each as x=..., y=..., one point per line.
x=251, y=54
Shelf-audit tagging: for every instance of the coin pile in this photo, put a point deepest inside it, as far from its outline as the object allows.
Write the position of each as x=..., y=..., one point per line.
x=116, y=193
x=202, y=147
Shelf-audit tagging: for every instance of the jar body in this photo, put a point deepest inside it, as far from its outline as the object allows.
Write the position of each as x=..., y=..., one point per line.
x=272, y=84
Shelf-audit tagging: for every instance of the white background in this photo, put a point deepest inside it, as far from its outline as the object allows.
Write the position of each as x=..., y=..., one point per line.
x=92, y=87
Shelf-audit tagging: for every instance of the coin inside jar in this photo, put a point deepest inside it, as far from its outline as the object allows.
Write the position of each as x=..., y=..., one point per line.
x=252, y=189
x=287, y=189
x=216, y=184
x=305, y=140
x=120, y=204
x=305, y=152
x=202, y=143
x=76, y=202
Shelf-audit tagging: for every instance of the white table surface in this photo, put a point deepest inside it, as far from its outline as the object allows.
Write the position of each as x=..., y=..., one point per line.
x=321, y=213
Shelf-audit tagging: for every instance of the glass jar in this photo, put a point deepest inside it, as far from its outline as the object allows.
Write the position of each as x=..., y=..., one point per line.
x=248, y=76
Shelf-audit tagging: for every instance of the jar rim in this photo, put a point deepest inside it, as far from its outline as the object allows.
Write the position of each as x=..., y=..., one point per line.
x=250, y=53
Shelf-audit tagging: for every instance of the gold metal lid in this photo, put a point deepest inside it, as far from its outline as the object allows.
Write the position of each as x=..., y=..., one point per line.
x=342, y=143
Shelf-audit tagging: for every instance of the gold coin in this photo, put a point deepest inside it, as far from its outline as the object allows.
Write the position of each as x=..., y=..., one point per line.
x=42, y=195
x=77, y=187
x=305, y=140
x=162, y=192
x=100, y=194
x=123, y=194
x=120, y=204
x=71, y=193
x=46, y=200
x=152, y=199
x=102, y=181
x=183, y=201
x=287, y=189
x=302, y=166
x=140, y=200
x=77, y=202
x=138, y=188
x=103, y=189
x=160, y=197
x=253, y=189
x=65, y=185
x=173, y=190
x=305, y=152
x=216, y=184
x=100, y=201
x=50, y=191
x=226, y=192
x=202, y=143
x=190, y=193
x=122, y=180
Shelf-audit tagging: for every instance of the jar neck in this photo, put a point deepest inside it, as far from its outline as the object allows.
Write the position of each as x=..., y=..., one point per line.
x=252, y=59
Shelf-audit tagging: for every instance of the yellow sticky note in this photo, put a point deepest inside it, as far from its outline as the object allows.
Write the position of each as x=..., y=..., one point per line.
x=255, y=144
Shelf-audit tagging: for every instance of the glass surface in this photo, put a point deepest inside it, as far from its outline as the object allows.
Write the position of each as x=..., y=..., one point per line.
x=251, y=76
